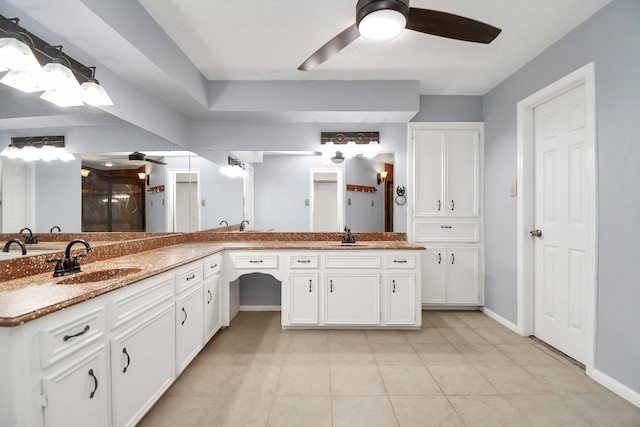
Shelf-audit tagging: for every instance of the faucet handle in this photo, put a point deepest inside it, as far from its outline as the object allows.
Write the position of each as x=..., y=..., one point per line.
x=59, y=269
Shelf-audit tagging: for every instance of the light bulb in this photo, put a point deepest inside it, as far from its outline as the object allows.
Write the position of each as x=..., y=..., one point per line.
x=382, y=25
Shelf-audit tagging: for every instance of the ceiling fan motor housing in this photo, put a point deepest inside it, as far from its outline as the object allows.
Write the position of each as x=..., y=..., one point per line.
x=365, y=7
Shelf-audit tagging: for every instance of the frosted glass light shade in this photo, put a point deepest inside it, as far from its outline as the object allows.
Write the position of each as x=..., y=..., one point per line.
x=382, y=25
x=26, y=81
x=15, y=55
x=11, y=152
x=62, y=98
x=94, y=94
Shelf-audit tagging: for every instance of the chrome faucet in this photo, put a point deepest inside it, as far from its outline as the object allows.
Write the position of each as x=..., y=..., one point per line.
x=70, y=264
x=30, y=239
x=225, y=222
x=242, y=224
x=53, y=228
x=348, y=237
x=19, y=242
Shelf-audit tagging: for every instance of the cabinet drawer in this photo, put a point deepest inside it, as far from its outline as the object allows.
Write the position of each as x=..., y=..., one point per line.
x=187, y=276
x=401, y=261
x=309, y=261
x=446, y=232
x=351, y=261
x=257, y=261
x=137, y=299
x=70, y=336
x=212, y=265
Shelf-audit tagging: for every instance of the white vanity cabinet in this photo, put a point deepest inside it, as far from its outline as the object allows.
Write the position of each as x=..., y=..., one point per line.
x=446, y=211
x=189, y=314
x=77, y=393
x=303, y=308
x=352, y=298
x=212, y=310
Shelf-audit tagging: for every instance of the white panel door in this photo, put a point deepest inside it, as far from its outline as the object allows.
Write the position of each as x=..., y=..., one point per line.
x=434, y=287
x=304, y=299
x=462, y=173
x=400, y=299
x=561, y=215
x=352, y=299
x=462, y=275
x=18, y=191
x=429, y=173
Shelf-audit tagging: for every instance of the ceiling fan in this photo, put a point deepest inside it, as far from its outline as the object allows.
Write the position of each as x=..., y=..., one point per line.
x=141, y=157
x=385, y=19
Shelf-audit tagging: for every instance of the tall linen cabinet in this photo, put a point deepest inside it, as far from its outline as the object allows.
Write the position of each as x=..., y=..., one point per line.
x=445, y=209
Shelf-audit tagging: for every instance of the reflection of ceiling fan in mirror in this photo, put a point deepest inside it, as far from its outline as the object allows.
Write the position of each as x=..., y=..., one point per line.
x=137, y=156
x=385, y=19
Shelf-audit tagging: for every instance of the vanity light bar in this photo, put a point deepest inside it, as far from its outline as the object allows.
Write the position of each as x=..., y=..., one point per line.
x=35, y=148
x=350, y=144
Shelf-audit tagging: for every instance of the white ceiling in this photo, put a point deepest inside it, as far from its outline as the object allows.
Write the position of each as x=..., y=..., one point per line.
x=269, y=39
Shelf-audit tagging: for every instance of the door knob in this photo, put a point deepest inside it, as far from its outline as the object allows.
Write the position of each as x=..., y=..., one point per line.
x=536, y=233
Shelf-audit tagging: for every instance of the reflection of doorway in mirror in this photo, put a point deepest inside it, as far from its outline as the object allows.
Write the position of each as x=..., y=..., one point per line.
x=327, y=194
x=249, y=211
x=18, y=195
x=388, y=198
x=184, y=201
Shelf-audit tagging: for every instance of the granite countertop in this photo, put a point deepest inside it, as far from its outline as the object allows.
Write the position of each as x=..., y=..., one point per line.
x=27, y=298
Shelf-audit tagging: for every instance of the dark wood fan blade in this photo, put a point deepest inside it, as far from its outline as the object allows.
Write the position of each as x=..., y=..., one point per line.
x=451, y=26
x=330, y=48
x=158, y=162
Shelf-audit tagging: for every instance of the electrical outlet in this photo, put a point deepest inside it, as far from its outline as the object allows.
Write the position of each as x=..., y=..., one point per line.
x=306, y=202
x=372, y=203
x=203, y=202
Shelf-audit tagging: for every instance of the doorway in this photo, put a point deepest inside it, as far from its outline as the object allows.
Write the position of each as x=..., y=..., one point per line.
x=557, y=215
x=326, y=201
x=184, y=201
x=18, y=195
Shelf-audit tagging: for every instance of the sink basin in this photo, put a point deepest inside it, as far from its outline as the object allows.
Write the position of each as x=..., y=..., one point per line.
x=98, y=276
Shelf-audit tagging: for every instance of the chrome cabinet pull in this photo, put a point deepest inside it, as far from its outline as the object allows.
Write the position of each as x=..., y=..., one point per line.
x=124, y=351
x=95, y=384
x=185, y=315
x=82, y=332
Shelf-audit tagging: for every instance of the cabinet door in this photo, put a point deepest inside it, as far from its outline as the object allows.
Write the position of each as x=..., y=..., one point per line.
x=142, y=365
x=434, y=286
x=428, y=170
x=401, y=299
x=462, y=276
x=304, y=299
x=462, y=173
x=189, y=327
x=212, y=308
x=352, y=299
x=78, y=393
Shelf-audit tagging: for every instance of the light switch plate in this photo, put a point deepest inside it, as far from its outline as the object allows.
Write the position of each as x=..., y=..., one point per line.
x=513, y=189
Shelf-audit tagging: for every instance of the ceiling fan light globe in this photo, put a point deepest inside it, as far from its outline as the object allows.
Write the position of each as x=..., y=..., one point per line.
x=382, y=25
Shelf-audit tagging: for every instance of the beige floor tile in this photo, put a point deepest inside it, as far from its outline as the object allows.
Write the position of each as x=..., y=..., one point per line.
x=356, y=381
x=385, y=336
x=554, y=354
x=312, y=336
x=490, y=411
x=426, y=335
x=395, y=354
x=549, y=410
x=250, y=381
x=239, y=411
x=445, y=319
x=172, y=411
x=309, y=358
x=425, y=411
x=484, y=355
x=340, y=336
x=461, y=336
x=351, y=354
x=527, y=355
x=604, y=409
x=296, y=411
x=200, y=380
x=369, y=411
x=565, y=379
x=439, y=354
x=476, y=319
x=300, y=346
x=502, y=336
x=304, y=380
x=512, y=380
x=461, y=379
x=408, y=380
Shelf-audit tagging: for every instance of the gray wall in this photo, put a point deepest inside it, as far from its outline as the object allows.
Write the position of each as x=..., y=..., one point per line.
x=364, y=212
x=609, y=39
x=449, y=108
x=59, y=196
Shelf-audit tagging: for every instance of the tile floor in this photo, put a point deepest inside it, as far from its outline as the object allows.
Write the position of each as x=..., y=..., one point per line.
x=461, y=369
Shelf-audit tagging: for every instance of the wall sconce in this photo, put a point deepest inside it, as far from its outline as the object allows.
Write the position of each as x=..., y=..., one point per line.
x=349, y=145
x=382, y=175
x=85, y=172
x=234, y=169
x=65, y=81
x=33, y=148
x=142, y=175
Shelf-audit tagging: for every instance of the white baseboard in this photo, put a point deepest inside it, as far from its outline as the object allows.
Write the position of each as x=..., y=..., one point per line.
x=501, y=320
x=260, y=308
x=618, y=388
